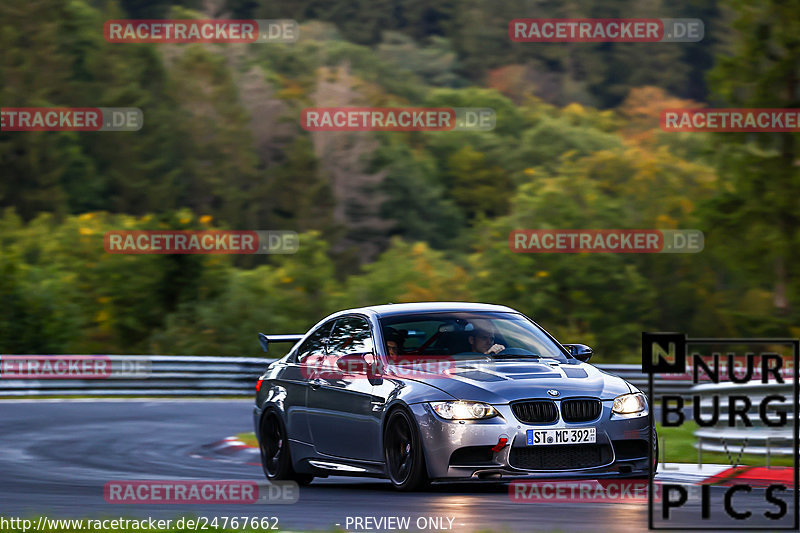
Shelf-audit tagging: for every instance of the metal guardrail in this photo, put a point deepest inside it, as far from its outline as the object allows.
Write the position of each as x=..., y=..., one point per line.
x=662, y=385
x=758, y=439
x=178, y=375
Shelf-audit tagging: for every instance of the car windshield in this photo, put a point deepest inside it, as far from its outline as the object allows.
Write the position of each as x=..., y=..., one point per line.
x=493, y=334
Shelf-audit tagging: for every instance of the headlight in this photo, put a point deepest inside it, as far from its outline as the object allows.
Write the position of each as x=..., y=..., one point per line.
x=627, y=404
x=463, y=410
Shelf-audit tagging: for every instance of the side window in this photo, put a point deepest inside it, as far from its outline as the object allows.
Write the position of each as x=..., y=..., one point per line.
x=350, y=335
x=314, y=345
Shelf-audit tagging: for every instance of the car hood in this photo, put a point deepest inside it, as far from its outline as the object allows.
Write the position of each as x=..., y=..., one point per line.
x=505, y=381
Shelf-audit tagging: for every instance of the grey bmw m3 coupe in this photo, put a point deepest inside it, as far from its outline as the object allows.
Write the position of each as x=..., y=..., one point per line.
x=445, y=391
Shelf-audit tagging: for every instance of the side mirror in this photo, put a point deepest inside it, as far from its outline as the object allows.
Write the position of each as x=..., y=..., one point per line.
x=581, y=352
x=356, y=363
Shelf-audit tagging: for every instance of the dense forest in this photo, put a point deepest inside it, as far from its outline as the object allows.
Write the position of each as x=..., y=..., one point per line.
x=394, y=216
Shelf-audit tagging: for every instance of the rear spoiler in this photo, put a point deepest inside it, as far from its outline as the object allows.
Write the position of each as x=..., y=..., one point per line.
x=264, y=340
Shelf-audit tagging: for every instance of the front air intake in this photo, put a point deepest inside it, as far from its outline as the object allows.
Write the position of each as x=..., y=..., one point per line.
x=581, y=410
x=536, y=411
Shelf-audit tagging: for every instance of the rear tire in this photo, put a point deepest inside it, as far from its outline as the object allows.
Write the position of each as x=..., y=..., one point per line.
x=402, y=451
x=276, y=459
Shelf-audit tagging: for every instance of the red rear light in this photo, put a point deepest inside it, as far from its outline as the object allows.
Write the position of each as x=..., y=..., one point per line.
x=258, y=385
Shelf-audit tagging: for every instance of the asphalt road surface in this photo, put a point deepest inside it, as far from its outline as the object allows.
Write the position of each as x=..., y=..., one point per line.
x=56, y=457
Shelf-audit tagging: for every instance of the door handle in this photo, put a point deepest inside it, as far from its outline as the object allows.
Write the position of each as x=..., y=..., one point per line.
x=315, y=383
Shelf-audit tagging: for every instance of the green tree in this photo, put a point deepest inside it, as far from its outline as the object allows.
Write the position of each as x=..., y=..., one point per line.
x=758, y=201
x=415, y=201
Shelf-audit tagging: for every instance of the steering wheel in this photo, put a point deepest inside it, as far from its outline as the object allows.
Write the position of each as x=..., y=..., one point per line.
x=517, y=351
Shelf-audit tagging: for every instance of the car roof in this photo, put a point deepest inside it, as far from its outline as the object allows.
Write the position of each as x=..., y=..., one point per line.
x=431, y=307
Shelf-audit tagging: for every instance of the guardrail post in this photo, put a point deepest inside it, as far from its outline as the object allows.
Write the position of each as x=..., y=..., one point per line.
x=768, y=454
x=663, y=448
x=700, y=453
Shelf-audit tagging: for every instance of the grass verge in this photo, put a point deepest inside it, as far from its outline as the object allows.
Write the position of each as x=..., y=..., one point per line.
x=678, y=447
x=248, y=438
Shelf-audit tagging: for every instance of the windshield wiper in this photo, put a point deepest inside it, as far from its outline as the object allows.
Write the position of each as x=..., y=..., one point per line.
x=532, y=355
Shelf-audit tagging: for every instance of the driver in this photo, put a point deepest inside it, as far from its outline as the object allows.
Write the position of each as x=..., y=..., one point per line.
x=481, y=340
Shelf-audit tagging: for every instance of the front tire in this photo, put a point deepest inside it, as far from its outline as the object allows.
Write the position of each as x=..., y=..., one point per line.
x=402, y=451
x=655, y=452
x=275, y=457
x=655, y=460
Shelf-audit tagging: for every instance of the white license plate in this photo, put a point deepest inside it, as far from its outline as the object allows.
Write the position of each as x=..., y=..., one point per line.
x=544, y=437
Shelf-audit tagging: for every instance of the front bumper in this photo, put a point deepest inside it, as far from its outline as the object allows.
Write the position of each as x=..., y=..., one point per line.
x=462, y=450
